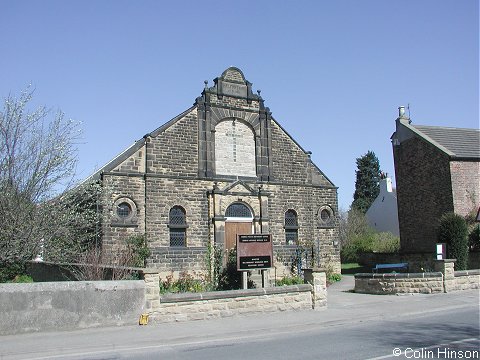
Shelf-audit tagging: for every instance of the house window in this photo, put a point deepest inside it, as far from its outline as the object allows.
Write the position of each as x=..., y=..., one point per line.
x=178, y=227
x=291, y=227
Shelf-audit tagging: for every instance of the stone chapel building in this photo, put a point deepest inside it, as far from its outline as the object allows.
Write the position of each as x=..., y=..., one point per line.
x=222, y=167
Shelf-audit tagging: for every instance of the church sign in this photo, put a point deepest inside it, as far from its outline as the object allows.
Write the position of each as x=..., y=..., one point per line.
x=254, y=251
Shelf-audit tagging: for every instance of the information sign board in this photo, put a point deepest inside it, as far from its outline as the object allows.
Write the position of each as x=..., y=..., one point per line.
x=254, y=251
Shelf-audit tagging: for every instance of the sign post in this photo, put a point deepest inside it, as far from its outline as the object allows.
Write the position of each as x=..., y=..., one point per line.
x=441, y=251
x=254, y=252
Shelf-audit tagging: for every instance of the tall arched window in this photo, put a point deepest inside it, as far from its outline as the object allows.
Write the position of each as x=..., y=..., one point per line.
x=291, y=227
x=177, y=223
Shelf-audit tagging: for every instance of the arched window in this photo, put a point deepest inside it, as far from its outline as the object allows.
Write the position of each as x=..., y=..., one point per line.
x=291, y=227
x=238, y=210
x=177, y=223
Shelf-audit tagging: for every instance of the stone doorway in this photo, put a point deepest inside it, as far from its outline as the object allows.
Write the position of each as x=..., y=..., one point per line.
x=238, y=221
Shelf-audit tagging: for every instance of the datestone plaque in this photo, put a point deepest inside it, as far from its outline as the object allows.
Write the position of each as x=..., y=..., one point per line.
x=234, y=89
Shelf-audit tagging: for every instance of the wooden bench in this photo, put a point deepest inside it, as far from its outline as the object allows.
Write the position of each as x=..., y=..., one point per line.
x=393, y=267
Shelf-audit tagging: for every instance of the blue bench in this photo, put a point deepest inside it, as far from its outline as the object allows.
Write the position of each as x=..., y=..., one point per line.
x=393, y=267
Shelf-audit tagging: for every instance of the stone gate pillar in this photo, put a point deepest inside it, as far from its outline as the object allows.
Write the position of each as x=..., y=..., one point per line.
x=152, y=290
x=447, y=268
x=319, y=283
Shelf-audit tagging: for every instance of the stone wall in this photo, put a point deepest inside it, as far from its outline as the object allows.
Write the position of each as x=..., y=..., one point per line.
x=202, y=306
x=445, y=279
x=466, y=280
x=410, y=283
x=174, y=150
x=67, y=305
x=185, y=307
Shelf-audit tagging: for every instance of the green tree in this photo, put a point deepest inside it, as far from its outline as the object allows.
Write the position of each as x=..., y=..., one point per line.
x=356, y=236
x=367, y=181
x=453, y=231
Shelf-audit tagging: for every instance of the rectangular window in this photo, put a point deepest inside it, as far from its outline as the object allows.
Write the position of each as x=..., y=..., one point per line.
x=291, y=236
x=177, y=237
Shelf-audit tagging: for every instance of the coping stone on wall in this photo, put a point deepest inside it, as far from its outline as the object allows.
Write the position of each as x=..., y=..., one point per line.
x=229, y=294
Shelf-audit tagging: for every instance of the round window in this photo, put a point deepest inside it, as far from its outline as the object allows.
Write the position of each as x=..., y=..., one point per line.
x=325, y=215
x=124, y=210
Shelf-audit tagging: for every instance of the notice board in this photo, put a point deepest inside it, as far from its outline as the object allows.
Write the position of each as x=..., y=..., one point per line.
x=254, y=251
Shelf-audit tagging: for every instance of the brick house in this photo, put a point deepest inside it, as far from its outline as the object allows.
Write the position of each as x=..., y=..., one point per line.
x=222, y=167
x=437, y=171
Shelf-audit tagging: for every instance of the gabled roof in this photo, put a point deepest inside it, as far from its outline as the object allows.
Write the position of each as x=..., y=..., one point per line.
x=125, y=154
x=458, y=143
x=463, y=143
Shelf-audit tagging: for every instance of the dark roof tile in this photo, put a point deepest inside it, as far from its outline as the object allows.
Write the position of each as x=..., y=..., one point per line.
x=464, y=143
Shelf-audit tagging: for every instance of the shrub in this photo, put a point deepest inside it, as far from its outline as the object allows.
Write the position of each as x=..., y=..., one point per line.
x=386, y=242
x=230, y=278
x=22, y=279
x=138, y=250
x=474, y=238
x=453, y=231
x=8, y=271
x=359, y=243
x=349, y=253
x=369, y=241
x=333, y=277
x=289, y=280
x=185, y=283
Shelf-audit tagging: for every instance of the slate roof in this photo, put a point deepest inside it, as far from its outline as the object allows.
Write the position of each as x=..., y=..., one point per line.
x=459, y=143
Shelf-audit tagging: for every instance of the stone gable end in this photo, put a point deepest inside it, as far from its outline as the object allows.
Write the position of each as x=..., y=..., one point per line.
x=226, y=150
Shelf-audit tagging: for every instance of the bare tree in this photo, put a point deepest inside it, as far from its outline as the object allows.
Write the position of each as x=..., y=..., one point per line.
x=37, y=161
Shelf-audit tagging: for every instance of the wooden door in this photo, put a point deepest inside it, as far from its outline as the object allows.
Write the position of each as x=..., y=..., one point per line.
x=232, y=229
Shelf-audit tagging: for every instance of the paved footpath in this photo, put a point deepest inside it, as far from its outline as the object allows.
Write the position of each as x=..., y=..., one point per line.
x=344, y=307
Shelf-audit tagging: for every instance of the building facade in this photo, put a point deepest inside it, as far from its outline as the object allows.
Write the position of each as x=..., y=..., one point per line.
x=382, y=215
x=437, y=170
x=223, y=167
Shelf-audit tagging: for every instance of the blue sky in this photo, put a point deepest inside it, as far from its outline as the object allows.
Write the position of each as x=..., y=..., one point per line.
x=332, y=72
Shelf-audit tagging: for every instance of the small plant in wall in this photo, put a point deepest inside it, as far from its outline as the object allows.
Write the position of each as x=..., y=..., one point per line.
x=213, y=264
x=289, y=280
x=332, y=276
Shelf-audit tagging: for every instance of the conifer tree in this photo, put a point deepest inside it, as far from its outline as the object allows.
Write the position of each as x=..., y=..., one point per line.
x=367, y=181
